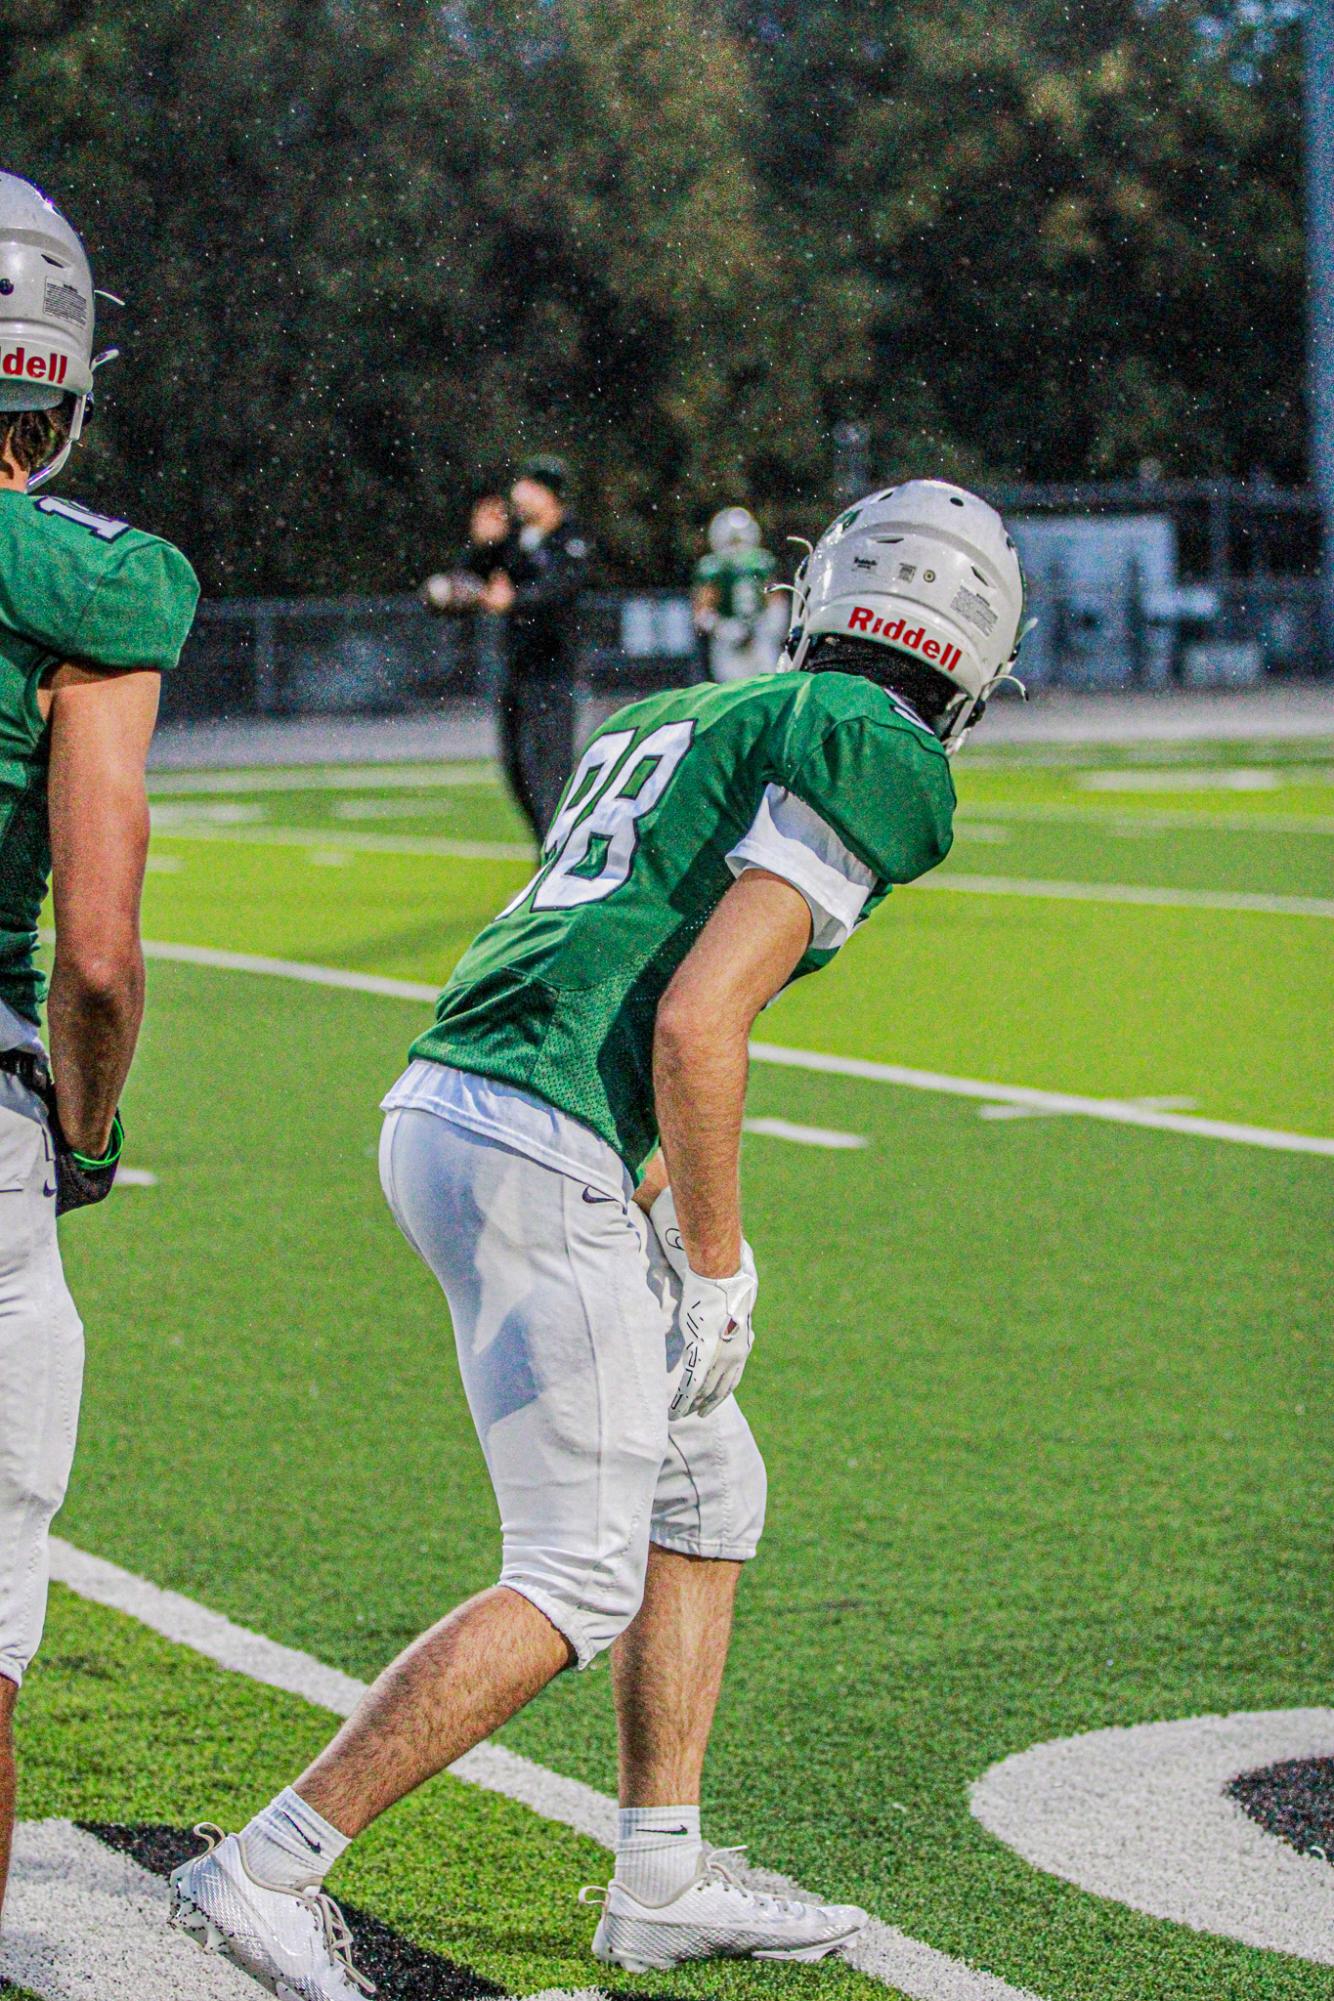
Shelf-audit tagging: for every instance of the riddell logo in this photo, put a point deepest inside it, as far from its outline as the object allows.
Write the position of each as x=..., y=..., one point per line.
x=863, y=619
x=34, y=367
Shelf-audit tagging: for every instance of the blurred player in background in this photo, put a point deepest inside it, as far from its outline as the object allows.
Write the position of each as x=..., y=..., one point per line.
x=528, y=565
x=741, y=631
x=91, y=613
x=563, y=1152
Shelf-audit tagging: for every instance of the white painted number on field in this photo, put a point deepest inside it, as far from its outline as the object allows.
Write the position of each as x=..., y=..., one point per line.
x=1141, y=1815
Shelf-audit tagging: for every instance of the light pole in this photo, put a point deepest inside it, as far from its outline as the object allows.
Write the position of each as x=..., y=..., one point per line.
x=1320, y=268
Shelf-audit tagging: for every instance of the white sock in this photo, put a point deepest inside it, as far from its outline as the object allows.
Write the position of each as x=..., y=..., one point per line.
x=289, y=1845
x=657, y=1851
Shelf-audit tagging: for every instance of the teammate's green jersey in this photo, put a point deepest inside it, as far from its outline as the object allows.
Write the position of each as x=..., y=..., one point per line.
x=558, y=994
x=739, y=577
x=73, y=586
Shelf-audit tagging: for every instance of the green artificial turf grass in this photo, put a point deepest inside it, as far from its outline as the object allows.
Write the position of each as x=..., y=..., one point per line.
x=117, y=1724
x=1105, y=1000
x=1043, y=1404
x=1135, y=850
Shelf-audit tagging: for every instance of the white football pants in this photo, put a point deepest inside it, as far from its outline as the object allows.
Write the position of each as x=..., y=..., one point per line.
x=41, y=1372
x=564, y=1319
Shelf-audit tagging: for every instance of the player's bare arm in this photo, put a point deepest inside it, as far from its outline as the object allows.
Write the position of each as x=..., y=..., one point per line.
x=746, y=952
x=101, y=726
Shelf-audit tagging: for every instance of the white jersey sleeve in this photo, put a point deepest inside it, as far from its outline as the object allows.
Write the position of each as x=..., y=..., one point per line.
x=789, y=839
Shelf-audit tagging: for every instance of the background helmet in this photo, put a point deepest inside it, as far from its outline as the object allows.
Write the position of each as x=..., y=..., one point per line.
x=46, y=311
x=927, y=571
x=734, y=528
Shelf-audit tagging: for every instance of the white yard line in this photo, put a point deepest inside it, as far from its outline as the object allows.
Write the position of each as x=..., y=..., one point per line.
x=368, y=844
x=803, y=1135
x=1254, y=901
x=883, y=1952
x=1162, y=820
x=326, y=778
x=974, y=885
x=1116, y=1111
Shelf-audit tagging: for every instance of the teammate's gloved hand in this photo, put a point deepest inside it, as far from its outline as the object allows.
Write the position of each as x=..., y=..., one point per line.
x=79, y=1178
x=714, y=1317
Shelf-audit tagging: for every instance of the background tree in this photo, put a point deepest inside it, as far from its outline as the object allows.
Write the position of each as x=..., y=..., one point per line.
x=373, y=250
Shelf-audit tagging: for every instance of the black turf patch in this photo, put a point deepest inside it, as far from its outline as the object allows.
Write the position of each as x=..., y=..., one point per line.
x=1294, y=1800
x=401, y=1970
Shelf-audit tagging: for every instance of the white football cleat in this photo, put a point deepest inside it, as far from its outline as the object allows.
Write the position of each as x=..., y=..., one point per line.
x=715, y=1917
x=295, y=1942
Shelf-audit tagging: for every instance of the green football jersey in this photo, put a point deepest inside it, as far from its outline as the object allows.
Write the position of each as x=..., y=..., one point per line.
x=558, y=994
x=73, y=586
x=739, y=577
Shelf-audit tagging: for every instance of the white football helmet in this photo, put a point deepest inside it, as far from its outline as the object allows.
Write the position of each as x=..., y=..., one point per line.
x=927, y=571
x=734, y=528
x=46, y=312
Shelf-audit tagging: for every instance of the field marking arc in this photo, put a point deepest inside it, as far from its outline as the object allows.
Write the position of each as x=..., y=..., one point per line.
x=883, y=1952
x=1139, y=1814
x=1115, y=1111
x=1249, y=902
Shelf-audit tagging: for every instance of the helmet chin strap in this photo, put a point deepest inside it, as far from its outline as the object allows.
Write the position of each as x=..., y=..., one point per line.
x=972, y=713
x=82, y=405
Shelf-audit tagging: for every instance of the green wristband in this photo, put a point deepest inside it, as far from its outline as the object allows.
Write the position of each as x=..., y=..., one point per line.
x=115, y=1146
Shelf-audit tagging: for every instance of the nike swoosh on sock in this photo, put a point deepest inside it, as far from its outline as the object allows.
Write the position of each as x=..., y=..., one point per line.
x=314, y=1846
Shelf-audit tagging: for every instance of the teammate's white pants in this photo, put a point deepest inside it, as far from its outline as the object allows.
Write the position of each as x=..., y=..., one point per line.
x=41, y=1372
x=564, y=1319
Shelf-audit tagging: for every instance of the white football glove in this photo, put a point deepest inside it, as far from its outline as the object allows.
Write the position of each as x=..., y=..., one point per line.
x=714, y=1317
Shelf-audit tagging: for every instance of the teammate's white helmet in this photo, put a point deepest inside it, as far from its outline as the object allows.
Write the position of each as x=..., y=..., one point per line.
x=734, y=528
x=928, y=571
x=46, y=311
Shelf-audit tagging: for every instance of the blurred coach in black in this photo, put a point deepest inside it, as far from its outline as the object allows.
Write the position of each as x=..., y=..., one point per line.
x=537, y=574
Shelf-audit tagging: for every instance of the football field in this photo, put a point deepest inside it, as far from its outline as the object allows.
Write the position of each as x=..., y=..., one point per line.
x=1040, y=1180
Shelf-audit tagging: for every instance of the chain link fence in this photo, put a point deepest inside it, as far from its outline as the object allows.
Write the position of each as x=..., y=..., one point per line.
x=380, y=656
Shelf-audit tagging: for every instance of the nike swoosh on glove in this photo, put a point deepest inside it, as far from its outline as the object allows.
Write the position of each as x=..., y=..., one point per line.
x=714, y=1317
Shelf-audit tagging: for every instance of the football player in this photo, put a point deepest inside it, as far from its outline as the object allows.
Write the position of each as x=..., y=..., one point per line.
x=562, y=1150
x=740, y=632
x=91, y=614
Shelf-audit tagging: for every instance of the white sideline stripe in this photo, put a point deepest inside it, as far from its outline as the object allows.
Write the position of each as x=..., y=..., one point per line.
x=1139, y=1814
x=134, y=1177
x=1116, y=1111
x=883, y=1952
x=1161, y=819
x=803, y=1135
x=369, y=844
x=1257, y=902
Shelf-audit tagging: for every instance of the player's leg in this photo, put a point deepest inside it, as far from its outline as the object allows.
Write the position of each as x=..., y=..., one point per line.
x=667, y=1673
x=560, y=1348
x=41, y=1373
x=510, y=714
x=672, y=1898
x=9, y=1695
x=448, y=1691
x=550, y=746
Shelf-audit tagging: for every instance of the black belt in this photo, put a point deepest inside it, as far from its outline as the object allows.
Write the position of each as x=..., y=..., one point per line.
x=30, y=1069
